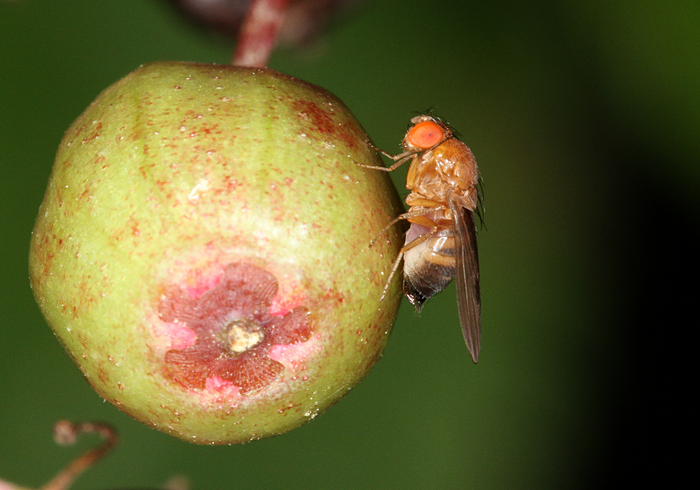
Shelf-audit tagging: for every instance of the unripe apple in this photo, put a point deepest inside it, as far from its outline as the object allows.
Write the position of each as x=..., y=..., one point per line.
x=202, y=250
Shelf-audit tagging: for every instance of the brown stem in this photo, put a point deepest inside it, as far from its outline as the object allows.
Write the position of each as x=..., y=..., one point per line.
x=66, y=433
x=258, y=36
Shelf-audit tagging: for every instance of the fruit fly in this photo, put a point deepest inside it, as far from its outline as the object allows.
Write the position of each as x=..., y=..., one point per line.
x=441, y=242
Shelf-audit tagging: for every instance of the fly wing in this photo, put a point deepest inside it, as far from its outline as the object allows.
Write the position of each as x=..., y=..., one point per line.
x=467, y=275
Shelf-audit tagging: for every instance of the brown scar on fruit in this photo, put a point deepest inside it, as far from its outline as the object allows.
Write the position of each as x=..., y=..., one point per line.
x=232, y=331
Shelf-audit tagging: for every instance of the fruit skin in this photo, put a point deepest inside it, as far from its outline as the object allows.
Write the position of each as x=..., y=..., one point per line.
x=180, y=170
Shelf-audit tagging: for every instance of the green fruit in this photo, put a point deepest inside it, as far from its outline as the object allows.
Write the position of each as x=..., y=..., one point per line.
x=202, y=250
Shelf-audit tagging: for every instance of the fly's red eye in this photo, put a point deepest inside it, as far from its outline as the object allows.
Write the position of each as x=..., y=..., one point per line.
x=425, y=134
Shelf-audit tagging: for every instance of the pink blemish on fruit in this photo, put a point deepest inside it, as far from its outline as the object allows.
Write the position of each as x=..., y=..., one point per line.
x=221, y=386
x=281, y=306
x=293, y=356
x=216, y=383
x=181, y=337
x=197, y=291
x=234, y=331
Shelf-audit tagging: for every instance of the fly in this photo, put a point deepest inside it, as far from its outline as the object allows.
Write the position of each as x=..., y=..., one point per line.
x=441, y=242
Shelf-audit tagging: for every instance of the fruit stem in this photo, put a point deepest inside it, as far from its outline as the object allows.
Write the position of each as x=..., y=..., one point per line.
x=258, y=36
x=66, y=432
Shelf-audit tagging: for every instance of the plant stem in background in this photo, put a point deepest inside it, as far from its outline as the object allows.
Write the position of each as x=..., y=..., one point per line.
x=259, y=34
x=66, y=433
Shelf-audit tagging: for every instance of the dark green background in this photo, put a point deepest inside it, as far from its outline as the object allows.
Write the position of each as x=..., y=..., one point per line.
x=585, y=120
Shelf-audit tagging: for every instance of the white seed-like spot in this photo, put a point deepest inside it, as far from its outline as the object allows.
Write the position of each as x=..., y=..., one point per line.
x=242, y=339
x=202, y=186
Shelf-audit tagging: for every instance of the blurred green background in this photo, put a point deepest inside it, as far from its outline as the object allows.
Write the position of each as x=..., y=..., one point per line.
x=585, y=120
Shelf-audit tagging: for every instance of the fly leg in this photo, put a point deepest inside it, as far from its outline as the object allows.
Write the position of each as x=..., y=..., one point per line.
x=400, y=159
x=410, y=216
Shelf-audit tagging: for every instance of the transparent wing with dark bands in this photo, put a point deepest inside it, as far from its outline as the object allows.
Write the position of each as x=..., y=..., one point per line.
x=467, y=276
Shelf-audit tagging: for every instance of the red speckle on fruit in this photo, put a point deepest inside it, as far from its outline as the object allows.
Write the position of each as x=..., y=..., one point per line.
x=323, y=123
x=237, y=340
x=94, y=135
x=290, y=405
x=321, y=120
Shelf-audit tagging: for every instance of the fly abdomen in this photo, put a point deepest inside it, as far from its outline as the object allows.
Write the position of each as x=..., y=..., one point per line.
x=429, y=267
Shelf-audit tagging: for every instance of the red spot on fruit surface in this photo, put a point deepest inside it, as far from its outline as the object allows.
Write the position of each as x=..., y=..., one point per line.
x=235, y=331
x=321, y=121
